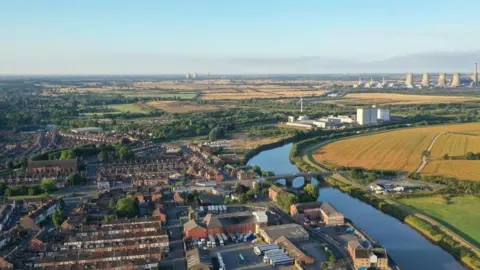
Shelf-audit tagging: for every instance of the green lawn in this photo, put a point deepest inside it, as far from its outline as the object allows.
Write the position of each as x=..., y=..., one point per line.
x=462, y=215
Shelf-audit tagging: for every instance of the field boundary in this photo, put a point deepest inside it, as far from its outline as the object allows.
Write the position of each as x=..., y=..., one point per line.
x=429, y=149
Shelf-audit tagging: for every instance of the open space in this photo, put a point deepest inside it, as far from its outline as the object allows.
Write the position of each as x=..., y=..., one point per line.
x=396, y=150
x=255, y=93
x=461, y=214
x=185, y=107
x=455, y=145
x=131, y=107
x=387, y=98
x=459, y=169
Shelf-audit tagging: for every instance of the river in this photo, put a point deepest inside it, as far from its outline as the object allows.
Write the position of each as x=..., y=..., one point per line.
x=407, y=247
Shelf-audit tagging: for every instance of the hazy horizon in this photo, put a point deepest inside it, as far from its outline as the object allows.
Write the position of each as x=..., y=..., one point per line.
x=245, y=37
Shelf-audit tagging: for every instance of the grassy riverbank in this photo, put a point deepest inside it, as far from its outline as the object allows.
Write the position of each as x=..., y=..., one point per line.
x=301, y=155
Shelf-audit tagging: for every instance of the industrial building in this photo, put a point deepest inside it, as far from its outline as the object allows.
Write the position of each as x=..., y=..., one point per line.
x=367, y=116
x=293, y=251
x=316, y=211
x=383, y=115
x=292, y=232
x=409, y=81
x=456, y=82
x=198, y=260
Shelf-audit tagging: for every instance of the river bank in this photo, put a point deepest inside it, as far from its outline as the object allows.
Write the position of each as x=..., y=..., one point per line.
x=436, y=235
x=406, y=246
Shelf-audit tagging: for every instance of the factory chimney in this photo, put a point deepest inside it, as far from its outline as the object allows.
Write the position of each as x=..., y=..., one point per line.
x=475, y=75
x=426, y=79
x=456, y=80
x=442, y=79
x=409, y=80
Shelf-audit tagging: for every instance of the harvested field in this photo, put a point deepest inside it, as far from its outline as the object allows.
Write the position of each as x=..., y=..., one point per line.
x=396, y=150
x=455, y=145
x=250, y=143
x=460, y=169
x=248, y=94
x=185, y=107
x=385, y=98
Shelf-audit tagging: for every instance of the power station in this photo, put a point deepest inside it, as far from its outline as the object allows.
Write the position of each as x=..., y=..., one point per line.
x=442, y=79
x=426, y=80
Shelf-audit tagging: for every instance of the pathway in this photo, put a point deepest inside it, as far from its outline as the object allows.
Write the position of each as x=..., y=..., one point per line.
x=425, y=158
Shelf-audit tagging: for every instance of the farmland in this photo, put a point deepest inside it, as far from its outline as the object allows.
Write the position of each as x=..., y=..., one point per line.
x=396, y=150
x=184, y=107
x=461, y=213
x=130, y=107
x=248, y=94
x=455, y=145
x=460, y=169
x=387, y=98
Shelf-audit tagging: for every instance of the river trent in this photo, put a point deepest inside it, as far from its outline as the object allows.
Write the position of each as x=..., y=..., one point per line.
x=408, y=248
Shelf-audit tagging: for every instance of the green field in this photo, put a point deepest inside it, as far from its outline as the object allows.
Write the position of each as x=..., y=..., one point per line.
x=462, y=215
x=130, y=107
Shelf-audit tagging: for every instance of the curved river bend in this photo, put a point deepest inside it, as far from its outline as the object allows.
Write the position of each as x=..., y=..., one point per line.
x=407, y=247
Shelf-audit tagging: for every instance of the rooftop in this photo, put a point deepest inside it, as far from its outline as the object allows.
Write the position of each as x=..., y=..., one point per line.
x=287, y=230
x=196, y=257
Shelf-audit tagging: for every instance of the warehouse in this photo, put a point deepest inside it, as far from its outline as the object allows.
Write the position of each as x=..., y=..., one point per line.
x=293, y=251
x=292, y=232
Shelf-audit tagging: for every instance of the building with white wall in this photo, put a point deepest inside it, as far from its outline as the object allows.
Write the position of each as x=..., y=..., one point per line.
x=383, y=114
x=367, y=116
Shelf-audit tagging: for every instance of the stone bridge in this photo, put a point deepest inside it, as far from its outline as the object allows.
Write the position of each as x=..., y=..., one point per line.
x=307, y=176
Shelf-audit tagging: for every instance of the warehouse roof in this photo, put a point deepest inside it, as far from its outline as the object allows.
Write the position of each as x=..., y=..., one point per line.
x=196, y=257
x=290, y=231
x=291, y=249
x=329, y=210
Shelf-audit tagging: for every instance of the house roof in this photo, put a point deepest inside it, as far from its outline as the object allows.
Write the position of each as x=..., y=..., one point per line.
x=224, y=220
x=190, y=225
x=196, y=256
x=329, y=209
x=292, y=250
x=287, y=230
x=69, y=163
x=311, y=205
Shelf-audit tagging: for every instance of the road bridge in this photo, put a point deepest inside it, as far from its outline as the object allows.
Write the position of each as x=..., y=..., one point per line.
x=307, y=176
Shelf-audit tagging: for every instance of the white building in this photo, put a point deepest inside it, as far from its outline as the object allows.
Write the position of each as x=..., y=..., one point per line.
x=103, y=185
x=367, y=116
x=383, y=114
x=291, y=119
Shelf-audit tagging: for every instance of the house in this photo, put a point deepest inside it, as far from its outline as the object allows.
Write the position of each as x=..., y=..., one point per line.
x=103, y=184
x=293, y=251
x=140, y=197
x=376, y=188
x=6, y=211
x=193, y=230
x=274, y=191
x=39, y=215
x=330, y=216
x=53, y=166
x=219, y=177
x=367, y=257
x=4, y=264
x=178, y=198
x=198, y=260
x=160, y=212
x=242, y=175
x=292, y=232
x=310, y=210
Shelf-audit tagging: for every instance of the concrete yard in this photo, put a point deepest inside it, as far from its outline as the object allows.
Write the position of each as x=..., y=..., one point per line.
x=315, y=250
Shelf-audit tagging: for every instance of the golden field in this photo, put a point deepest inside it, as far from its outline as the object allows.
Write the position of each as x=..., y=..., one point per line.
x=248, y=94
x=386, y=98
x=460, y=169
x=455, y=145
x=396, y=150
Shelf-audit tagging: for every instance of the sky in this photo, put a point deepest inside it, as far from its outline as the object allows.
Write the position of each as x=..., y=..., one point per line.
x=245, y=36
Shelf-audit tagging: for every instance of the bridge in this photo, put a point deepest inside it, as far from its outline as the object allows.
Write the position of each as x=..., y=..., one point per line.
x=307, y=176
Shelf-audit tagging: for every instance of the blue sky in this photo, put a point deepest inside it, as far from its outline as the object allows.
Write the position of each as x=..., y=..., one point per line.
x=360, y=30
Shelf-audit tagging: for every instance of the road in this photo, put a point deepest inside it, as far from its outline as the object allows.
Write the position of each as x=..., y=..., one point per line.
x=425, y=158
x=176, y=257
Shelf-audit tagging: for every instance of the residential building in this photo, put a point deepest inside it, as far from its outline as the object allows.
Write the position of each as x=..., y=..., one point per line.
x=274, y=191
x=53, y=166
x=310, y=210
x=198, y=259
x=103, y=184
x=39, y=215
x=330, y=216
x=367, y=257
x=292, y=232
x=6, y=211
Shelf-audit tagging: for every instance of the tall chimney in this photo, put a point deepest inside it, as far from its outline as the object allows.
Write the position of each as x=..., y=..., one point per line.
x=456, y=80
x=409, y=80
x=426, y=79
x=442, y=79
x=475, y=75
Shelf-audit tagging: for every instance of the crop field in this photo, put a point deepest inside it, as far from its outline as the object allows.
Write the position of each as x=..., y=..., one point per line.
x=185, y=107
x=455, y=145
x=461, y=214
x=460, y=169
x=131, y=107
x=248, y=94
x=386, y=98
x=395, y=150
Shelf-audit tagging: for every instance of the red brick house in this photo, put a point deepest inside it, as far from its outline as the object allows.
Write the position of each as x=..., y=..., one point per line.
x=161, y=212
x=192, y=230
x=53, y=166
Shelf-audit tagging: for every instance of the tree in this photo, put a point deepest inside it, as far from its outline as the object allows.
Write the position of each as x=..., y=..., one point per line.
x=23, y=162
x=242, y=198
x=68, y=154
x=267, y=173
x=128, y=207
x=31, y=191
x=9, y=164
x=110, y=218
x=286, y=199
x=74, y=179
x=102, y=155
x=240, y=189
x=58, y=217
x=446, y=157
x=111, y=204
x=312, y=191
x=48, y=185
x=250, y=194
x=8, y=192
x=3, y=187
x=471, y=156
x=257, y=169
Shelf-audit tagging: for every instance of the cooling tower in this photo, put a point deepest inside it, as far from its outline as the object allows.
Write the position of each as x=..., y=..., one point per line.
x=442, y=79
x=456, y=80
x=409, y=80
x=426, y=79
x=475, y=75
